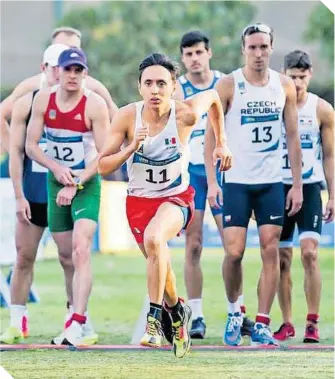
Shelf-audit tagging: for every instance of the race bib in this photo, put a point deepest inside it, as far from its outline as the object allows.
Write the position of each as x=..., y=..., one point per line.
x=68, y=151
x=36, y=167
x=156, y=175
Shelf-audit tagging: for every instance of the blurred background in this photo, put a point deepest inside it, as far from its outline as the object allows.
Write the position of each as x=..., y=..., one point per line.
x=118, y=34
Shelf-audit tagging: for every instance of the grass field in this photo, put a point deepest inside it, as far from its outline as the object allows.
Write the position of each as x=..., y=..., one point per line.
x=117, y=297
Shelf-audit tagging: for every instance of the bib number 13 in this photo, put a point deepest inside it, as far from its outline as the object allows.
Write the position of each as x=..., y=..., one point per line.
x=162, y=175
x=262, y=134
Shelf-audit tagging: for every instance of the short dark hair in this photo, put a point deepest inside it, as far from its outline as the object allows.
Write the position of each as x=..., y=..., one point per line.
x=192, y=38
x=158, y=59
x=258, y=27
x=297, y=59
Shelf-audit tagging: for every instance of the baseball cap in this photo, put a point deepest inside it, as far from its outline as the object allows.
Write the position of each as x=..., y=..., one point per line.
x=52, y=53
x=71, y=57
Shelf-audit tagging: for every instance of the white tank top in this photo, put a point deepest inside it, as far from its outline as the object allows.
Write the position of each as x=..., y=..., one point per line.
x=254, y=127
x=159, y=167
x=197, y=138
x=310, y=139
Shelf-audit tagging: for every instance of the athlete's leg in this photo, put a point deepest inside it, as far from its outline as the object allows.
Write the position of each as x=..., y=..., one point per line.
x=167, y=222
x=63, y=241
x=27, y=238
x=192, y=269
x=285, y=284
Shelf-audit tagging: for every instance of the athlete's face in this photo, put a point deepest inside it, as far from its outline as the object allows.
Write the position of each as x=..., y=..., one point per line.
x=301, y=78
x=196, y=58
x=156, y=86
x=51, y=74
x=257, y=50
x=71, y=77
x=71, y=40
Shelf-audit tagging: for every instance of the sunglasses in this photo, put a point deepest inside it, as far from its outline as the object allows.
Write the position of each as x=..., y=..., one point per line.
x=256, y=28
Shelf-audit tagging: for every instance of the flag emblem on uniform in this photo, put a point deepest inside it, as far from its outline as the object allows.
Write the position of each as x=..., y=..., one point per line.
x=241, y=86
x=188, y=91
x=52, y=114
x=170, y=141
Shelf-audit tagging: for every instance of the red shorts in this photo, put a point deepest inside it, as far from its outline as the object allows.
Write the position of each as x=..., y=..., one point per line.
x=141, y=210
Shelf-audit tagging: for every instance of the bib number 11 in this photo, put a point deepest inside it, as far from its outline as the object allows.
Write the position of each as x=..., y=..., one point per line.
x=162, y=174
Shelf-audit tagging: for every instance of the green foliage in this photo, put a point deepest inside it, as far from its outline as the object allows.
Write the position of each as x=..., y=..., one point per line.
x=321, y=29
x=118, y=35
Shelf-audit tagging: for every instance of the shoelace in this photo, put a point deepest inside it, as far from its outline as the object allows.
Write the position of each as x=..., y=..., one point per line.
x=233, y=323
x=310, y=328
x=154, y=327
x=264, y=331
x=178, y=331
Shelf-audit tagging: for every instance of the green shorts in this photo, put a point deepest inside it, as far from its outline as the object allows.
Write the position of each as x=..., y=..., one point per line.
x=85, y=204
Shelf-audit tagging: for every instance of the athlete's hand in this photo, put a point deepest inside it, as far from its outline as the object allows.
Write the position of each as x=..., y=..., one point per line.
x=65, y=195
x=64, y=175
x=225, y=156
x=214, y=196
x=140, y=135
x=294, y=200
x=23, y=212
x=328, y=215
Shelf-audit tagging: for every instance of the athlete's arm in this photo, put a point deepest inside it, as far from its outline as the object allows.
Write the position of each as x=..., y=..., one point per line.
x=112, y=156
x=97, y=112
x=17, y=141
x=294, y=196
x=7, y=104
x=34, y=134
x=97, y=87
x=326, y=115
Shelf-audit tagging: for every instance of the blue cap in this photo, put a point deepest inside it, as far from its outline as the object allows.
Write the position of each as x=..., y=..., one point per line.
x=71, y=57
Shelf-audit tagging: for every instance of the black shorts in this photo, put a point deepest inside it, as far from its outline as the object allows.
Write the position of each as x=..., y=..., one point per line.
x=39, y=214
x=267, y=201
x=308, y=219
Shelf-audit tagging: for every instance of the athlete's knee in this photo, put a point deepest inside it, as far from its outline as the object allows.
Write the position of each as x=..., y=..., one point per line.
x=65, y=259
x=25, y=256
x=270, y=252
x=81, y=248
x=194, y=247
x=285, y=255
x=309, y=254
x=152, y=243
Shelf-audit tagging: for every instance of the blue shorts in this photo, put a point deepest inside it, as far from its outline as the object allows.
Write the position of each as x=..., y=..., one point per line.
x=308, y=219
x=199, y=183
x=267, y=201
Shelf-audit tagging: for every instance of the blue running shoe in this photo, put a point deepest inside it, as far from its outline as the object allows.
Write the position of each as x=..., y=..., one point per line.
x=261, y=335
x=198, y=329
x=232, y=335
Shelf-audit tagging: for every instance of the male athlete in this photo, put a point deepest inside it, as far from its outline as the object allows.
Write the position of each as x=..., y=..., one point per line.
x=63, y=35
x=76, y=121
x=155, y=133
x=30, y=189
x=196, y=55
x=255, y=99
x=316, y=129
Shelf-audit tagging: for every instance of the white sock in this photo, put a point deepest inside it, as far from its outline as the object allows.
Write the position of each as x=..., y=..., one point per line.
x=241, y=300
x=16, y=314
x=234, y=307
x=196, y=307
x=70, y=310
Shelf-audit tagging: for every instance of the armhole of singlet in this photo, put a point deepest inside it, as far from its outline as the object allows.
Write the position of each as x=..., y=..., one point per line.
x=138, y=115
x=234, y=92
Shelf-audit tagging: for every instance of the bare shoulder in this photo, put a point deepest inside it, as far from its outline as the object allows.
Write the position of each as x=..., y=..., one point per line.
x=26, y=86
x=23, y=104
x=95, y=100
x=225, y=86
x=41, y=99
x=324, y=108
x=92, y=83
x=185, y=113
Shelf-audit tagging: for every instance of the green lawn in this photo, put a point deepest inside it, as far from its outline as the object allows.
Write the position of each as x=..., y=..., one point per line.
x=117, y=297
